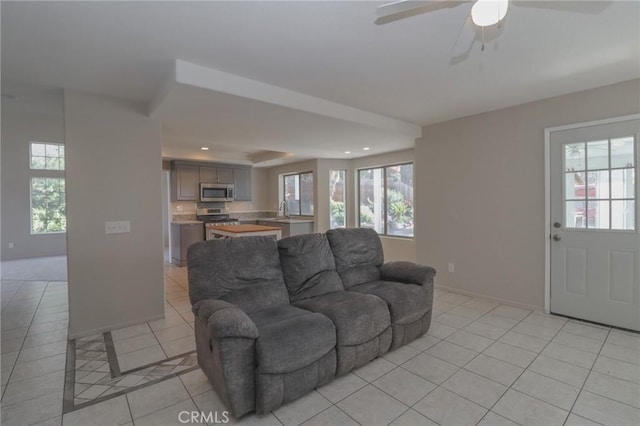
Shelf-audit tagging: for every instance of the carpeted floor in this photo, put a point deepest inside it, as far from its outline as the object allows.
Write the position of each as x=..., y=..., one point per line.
x=52, y=268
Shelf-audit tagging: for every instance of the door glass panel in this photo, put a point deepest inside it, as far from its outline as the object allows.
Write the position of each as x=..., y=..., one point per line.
x=623, y=214
x=598, y=155
x=575, y=214
x=598, y=214
x=622, y=152
x=598, y=185
x=623, y=183
x=574, y=186
x=603, y=197
x=574, y=157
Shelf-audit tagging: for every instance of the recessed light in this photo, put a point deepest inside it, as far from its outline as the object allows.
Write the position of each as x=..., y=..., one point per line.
x=205, y=148
x=366, y=148
x=347, y=152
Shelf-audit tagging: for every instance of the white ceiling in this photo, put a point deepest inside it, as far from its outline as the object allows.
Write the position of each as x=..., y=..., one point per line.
x=329, y=50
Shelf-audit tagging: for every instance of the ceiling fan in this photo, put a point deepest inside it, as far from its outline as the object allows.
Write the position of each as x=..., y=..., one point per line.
x=483, y=14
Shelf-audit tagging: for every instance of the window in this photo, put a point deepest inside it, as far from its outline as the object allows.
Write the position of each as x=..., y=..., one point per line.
x=298, y=193
x=337, y=198
x=47, y=156
x=386, y=199
x=600, y=181
x=48, y=205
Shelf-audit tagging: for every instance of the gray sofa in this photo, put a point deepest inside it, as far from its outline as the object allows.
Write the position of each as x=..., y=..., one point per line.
x=273, y=320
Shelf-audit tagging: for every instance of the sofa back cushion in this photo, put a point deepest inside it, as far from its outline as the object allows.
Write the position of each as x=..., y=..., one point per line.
x=244, y=271
x=308, y=266
x=358, y=254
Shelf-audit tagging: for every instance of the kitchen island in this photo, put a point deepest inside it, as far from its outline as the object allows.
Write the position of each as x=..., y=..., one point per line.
x=232, y=231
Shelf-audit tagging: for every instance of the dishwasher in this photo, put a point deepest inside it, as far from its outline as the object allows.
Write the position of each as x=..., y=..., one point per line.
x=182, y=236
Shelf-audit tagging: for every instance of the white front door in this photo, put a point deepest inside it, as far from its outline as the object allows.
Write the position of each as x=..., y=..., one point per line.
x=595, y=243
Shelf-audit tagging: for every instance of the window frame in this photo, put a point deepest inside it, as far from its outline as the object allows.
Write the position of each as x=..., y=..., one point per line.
x=31, y=143
x=384, y=200
x=36, y=173
x=610, y=198
x=284, y=193
x=345, y=190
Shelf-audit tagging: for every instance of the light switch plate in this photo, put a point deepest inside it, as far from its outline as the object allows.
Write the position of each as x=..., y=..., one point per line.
x=119, y=227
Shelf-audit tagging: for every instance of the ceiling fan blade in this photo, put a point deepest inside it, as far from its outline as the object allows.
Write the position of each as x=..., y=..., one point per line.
x=405, y=9
x=464, y=42
x=588, y=7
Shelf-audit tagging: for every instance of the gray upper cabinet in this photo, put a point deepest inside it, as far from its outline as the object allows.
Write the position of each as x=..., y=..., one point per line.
x=216, y=174
x=185, y=180
x=187, y=175
x=242, y=184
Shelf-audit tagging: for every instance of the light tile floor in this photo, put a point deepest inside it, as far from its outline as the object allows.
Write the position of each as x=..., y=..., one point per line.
x=481, y=363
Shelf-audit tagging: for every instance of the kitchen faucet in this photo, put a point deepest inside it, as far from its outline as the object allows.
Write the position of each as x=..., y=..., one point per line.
x=285, y=208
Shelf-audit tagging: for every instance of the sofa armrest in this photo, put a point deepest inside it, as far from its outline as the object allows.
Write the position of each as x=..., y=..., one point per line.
x=225, y=320
x=407, y=272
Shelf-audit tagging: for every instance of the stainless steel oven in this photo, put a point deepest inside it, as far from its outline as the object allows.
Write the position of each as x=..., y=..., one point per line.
x=216, y=192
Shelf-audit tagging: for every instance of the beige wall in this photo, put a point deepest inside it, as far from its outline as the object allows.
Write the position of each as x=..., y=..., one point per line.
x=480, y=185
x=113, y=164
x=34, y=116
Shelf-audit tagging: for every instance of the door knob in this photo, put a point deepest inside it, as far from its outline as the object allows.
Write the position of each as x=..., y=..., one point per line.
x=556, y=237
x=557, y=224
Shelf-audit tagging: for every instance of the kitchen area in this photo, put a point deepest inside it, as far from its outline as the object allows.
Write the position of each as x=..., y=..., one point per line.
x=217, y=200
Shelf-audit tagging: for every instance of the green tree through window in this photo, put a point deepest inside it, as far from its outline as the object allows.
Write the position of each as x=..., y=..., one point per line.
x=48, y=208
x=48, y=205
x=386, y=199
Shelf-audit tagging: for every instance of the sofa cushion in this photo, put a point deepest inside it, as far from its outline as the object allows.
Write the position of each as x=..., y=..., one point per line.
x=358, y=317
x=244, y=271
x=358, y=254
x=291, y=338
x=406, y=302
x=308, y=266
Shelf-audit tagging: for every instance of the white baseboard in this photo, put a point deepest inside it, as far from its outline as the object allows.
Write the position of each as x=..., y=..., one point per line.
x=484, y=296
x=73, y=336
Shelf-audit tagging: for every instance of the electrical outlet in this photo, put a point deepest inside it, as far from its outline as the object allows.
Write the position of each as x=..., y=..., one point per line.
x=452, y=267
x=10, y=245
x=120, y=227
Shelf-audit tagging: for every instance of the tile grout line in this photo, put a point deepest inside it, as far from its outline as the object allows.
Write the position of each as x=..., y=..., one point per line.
x=490, y=410
x=587, y=377
x=524, y=369
x=156, y=363
x=478, y=354
x=126, y=398
x=132, y=389
x=69, y=378
x=410, y=407
x=112, y=357
x=25, y=337
x=537, y=355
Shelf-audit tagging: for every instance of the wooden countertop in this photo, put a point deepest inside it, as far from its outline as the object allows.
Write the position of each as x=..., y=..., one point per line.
x=241, y=229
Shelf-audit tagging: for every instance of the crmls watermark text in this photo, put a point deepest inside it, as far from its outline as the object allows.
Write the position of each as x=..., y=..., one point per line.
x=212, y=417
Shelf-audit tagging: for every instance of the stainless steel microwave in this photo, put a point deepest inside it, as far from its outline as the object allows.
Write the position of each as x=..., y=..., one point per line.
x=216, y=192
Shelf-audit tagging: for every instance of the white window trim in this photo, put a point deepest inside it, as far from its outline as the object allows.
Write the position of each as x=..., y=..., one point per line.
x=384, y=167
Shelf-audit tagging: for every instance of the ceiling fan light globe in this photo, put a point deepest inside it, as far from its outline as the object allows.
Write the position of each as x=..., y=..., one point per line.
x=485, y=13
